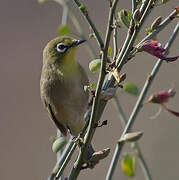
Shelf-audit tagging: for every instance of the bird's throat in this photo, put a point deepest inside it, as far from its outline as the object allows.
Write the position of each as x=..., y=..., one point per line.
x=68, y=68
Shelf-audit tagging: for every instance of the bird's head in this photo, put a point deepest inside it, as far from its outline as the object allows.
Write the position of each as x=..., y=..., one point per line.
x=60, y=49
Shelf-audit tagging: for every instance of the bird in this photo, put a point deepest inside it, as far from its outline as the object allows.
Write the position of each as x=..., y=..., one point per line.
x=62, y=85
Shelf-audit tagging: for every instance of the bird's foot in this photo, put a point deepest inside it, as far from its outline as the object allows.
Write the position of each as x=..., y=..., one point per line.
x=78, y=141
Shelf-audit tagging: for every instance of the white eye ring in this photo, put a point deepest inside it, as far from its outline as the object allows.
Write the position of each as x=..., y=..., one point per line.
x=61, y=47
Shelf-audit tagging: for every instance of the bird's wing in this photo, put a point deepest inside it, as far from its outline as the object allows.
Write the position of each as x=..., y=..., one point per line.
x=61, y=127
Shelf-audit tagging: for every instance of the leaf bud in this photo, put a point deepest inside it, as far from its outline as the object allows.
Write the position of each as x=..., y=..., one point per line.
x=137, y=15
x=156, y=23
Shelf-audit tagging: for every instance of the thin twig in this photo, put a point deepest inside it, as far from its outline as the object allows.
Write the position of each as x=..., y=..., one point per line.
x=61, y=159
x=115, y=46
x=89, y=21
x=138, y=106
x=68, y=151
x=134, y=5
x=65, y=162
x=141, y=159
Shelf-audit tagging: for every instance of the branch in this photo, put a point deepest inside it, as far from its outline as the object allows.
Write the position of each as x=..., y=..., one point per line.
x=134, y=5
x=138, y=106
x=61, y=160
x=85, y=14
x=141, y=159
x=65, y=162
x=115, y=46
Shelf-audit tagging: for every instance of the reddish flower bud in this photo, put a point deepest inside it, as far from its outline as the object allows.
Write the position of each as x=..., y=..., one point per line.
x=154, y=48
x=161, y=96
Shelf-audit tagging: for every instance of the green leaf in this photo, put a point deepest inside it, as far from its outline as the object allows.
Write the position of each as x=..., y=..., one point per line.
x=82, y=7
x=109, y=51
x=131, y=137
x=95, y=65
x=99, y=31
x=148, y=30
x=63, y=30
x=92, y=35
x=53, y=138
x=92, y=85
x=131, y=88
x=59, y=144
x=128, y=165
x=125, y=17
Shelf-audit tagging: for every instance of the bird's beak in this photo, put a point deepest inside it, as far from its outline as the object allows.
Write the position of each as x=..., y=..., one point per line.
x=77, y=42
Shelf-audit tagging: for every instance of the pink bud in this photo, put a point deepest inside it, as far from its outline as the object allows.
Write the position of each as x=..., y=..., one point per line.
x=161, y=97
x=154, y=48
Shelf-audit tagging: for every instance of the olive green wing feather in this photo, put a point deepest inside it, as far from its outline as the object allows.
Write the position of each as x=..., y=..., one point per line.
x=61, y=127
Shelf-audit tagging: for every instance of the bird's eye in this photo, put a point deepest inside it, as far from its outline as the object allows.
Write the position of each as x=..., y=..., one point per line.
x=61, y=47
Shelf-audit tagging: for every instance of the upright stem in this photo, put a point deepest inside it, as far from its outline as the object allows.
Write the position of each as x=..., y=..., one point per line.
x=141, y=159
x=134, y=5
x=89, y=21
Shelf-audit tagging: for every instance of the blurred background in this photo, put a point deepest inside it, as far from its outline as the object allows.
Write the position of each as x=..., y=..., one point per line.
x=25, y=149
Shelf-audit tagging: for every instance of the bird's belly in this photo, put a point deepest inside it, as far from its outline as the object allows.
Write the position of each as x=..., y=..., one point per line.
x=69, y=102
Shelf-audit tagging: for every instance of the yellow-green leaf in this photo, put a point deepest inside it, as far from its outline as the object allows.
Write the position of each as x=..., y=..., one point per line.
x=125, y=17
x=109, y=51
x=131, y=88
x=53, y=138
x=82, y=7
x=59, y=144
x=63, y=30
x=128, y=165
x=92, y=85
x=95, y=65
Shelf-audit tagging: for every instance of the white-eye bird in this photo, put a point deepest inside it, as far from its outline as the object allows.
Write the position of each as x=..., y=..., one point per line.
x=62, y=85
